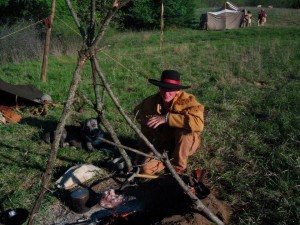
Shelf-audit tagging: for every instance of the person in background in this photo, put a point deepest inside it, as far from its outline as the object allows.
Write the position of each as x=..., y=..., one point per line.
x=172, y=120
x=262, y=17
x=248, y=19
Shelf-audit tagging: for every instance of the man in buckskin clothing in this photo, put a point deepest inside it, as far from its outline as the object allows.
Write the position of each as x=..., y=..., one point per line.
x=172, y=120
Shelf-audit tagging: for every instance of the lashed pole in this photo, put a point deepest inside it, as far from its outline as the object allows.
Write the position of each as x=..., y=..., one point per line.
x=47, y=42
x=162, y=24
x=84, y=54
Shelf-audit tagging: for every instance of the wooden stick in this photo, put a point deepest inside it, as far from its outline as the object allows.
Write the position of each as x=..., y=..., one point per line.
x=142, y=175
x=47, y=43
x=164, y=158
x=57, y=136
x=162, y=24
x=83, y=55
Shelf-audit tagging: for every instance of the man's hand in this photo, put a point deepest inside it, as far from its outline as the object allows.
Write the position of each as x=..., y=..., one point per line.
x=156, y=120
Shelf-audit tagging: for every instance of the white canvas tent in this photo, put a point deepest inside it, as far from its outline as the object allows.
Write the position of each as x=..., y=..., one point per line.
x=228, y=16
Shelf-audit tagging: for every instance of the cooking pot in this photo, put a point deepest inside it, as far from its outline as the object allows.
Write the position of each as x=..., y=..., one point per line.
x=14, y=216
x=79, y=199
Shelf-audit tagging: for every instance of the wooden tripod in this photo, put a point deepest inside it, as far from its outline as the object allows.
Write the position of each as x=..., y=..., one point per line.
x=88, y=52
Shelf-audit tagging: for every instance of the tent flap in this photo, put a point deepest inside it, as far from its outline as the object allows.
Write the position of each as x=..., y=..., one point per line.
x=10, y=91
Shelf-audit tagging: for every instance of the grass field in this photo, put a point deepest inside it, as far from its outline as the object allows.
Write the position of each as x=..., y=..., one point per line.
x=247, y=79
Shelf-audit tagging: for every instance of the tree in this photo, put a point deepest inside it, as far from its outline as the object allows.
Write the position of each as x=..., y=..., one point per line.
x=12, y=10
x=145, y=14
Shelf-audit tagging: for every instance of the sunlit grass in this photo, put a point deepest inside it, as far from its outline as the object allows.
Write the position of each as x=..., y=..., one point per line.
x=247, y=79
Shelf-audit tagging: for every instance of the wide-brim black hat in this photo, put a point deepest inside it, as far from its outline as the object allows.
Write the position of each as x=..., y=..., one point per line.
x=170, y=79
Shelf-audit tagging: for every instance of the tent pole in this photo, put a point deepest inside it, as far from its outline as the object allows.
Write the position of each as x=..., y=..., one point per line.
x=161, y=24
x=47, y=42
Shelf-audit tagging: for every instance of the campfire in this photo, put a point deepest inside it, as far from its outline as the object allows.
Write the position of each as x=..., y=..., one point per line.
x=144, y=201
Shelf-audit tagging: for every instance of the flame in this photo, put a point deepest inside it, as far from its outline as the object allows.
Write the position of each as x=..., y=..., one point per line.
x=123, y=215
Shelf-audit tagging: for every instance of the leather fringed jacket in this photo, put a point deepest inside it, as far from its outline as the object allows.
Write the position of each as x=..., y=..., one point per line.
x=185, y=112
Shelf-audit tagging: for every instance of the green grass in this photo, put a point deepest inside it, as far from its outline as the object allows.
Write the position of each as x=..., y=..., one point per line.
x=248, y=80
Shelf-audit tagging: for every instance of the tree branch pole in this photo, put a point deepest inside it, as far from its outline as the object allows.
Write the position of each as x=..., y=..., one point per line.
x=162, y=25
x=105, y=122
x=76, y=20
x=89, y=102
x=91, y=30
x=47, y=43
x=107, y=19
x=198, y=204
x=99, y=102
x=128, y=148
x=57, y=136
x=107, y=127
x=161, y=157
x=120, y=109
x=114, y=136
x=58, y=132
x=93, y=44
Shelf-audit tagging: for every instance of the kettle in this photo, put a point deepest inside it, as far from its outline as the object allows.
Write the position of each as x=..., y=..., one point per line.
x=79, y=198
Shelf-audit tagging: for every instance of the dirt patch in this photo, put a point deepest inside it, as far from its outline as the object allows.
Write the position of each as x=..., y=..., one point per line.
x=157, y=201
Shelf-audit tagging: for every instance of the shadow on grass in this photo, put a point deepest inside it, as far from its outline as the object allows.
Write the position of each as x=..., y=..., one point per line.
x=74, y=131
x=26, y=157
x=8, y=160
x=40, y=123
x=46, y=125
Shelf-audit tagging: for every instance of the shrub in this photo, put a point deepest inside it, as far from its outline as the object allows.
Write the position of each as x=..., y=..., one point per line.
x=12, y=11
x=145, y=14
x=19, y=46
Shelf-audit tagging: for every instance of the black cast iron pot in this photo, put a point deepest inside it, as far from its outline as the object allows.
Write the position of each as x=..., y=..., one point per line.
x=14, y=216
